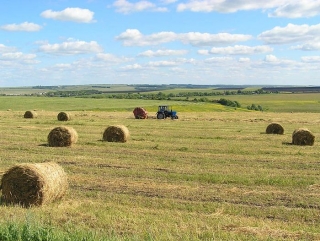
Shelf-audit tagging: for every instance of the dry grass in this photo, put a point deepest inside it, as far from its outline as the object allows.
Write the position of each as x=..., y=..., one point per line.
x=206, y=176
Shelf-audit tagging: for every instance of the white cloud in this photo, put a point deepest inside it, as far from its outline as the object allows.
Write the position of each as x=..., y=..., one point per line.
x=111, y=58
x=237, y=50
x=309, y=46
x=124, y=6
x=4, y=49
x=310, y=59
x=19, y=57
x=26, y=26
x=163, y=63
x=133, y=37
x=298, y=9
x=78, y=15
x=280, y=8
x=271, y=58
x=168, y=1
x=244, y=60
x=218, y=59
x=132, y=67
x=206, y=39
x=226, y=6
x=291, y=34
x=71, y=48
x=160, y=53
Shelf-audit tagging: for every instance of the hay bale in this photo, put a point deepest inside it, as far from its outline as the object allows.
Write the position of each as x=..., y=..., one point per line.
x=34, y=184
x=117, y=133
x=275, y=128
x=302, y=137
x=30, y=114
x=62, y=136
x=63, y=116
x=140, y=113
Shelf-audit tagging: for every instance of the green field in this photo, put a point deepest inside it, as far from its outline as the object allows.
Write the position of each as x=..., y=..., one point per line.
x=213, y=174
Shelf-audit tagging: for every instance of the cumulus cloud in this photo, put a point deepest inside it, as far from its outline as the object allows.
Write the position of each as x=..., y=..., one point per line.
x=71, y=48
x=160, y=53
x=237, y=50
x=106, y=57
x=280, y=8
x=310, y=59
x=26, y=27
x=291, y=34
x=19, y=57
x=132, y=67
x=271, y=58
x=226, y=6
x=4, y=49
x=218, y=59
x=244, y=60
x=133, y=37
x=124, y=6
x=298, y=9
x=163, y=63
x=206, y=39
x=78, y=15
x=315, y=46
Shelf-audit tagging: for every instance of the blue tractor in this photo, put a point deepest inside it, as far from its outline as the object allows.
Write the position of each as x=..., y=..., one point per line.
x=165, y=112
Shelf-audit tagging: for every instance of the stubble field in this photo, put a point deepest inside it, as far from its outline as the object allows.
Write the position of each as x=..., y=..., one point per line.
x=206, y=176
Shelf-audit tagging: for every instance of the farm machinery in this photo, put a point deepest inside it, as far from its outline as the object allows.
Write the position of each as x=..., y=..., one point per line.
x=164, y=111
x=140, y=113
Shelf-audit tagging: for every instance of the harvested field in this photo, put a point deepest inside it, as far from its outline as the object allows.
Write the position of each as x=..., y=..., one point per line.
x=204, y=176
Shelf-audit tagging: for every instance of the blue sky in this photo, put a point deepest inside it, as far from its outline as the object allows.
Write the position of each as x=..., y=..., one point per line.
x=68, y=42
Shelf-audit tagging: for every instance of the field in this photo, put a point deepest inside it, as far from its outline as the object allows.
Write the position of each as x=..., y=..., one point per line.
x=213, y=174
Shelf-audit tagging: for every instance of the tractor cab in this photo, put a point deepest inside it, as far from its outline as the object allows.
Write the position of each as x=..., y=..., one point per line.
x=164, y=111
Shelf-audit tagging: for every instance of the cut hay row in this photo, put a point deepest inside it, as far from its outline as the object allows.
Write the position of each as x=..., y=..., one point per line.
x=34, y=184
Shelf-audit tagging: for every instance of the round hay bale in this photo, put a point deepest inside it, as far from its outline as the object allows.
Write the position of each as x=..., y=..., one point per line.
x=117, y=133
x=36, y=184
x=275, y=128
x=62, y=136
x=30, y=114
x=140, y=113
x=302, y=137
x=63, y=116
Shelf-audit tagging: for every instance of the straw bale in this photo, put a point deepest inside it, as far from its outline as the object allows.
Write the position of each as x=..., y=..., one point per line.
x=63, y=116
x=116, y=133
x=62, y=136
x=275, y=128
x=303, y=137
x=34, y=184
x=30, y=114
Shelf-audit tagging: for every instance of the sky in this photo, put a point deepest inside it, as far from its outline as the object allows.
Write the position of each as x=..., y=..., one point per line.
x=202, y=42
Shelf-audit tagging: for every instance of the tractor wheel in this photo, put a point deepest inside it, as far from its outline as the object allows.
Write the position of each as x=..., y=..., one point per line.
x=160, y=116
x=176, y=117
